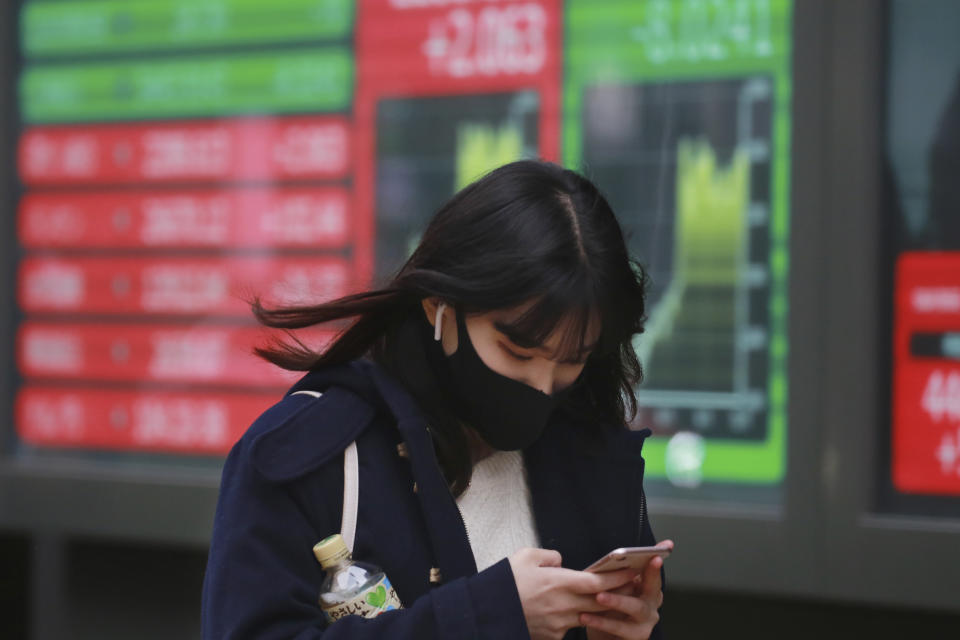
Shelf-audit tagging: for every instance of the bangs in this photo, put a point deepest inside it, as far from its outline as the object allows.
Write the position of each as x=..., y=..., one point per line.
x=569, y=307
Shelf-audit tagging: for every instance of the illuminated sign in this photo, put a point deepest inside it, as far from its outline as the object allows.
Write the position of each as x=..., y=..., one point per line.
x=681, y=113
x=926, y=383
x=447, y=91
x=56, y=29
x=162, y=191
x=179, y=157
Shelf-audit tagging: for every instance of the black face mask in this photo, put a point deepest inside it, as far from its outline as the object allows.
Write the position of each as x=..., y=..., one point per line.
x=508, y=414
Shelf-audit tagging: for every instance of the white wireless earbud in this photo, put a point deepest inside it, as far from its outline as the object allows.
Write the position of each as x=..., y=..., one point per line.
x=437, y=322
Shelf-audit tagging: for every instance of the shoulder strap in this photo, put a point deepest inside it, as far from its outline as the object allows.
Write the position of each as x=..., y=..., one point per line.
x=351, y=486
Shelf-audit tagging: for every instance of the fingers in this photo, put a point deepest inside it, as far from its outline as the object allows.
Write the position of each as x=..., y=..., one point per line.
x=584, y=604
x=586, y=582
x=651, y=578
x=538, y=557
x=620, y=628
x=546, y=557
x=627, y=617
x=636, y=608
x=628, y=589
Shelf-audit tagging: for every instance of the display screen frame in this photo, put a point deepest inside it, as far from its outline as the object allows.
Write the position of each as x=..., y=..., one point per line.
x=10, y=190
x=747, y=470
x=891, y=496
x=860, y=526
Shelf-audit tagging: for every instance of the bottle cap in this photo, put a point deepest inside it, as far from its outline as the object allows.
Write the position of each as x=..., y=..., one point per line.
x=331, y=550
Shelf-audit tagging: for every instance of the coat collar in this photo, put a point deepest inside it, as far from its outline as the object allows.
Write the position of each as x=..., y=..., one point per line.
x=452, y=553
x=585, y=492
x=586, y=496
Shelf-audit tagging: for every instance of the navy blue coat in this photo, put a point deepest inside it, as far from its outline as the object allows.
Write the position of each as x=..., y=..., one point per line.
x=282, y=491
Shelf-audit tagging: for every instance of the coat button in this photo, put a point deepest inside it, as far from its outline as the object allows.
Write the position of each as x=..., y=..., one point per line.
x=435, y=577
x=402, y=450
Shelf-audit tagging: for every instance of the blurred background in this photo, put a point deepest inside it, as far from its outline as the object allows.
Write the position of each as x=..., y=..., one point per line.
x=787, y=170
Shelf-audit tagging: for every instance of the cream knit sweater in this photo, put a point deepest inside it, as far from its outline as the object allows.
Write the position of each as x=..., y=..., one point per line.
x=496, y=508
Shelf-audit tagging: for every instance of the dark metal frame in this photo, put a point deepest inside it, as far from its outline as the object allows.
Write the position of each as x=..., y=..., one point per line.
x=727, y=546
x=900, y=559
x=829, y=539
x=826, y=540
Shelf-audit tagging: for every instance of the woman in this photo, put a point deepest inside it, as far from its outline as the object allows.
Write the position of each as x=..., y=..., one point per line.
x=487, y=388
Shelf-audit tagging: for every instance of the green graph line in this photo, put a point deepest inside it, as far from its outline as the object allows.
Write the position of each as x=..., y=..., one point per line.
x=626, y=42
x=482, y=147
x=689, y=340
x=711, y=215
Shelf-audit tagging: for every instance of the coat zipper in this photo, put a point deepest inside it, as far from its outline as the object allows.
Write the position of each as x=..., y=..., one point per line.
x=457, y=507
x=462, y=521
x=643, y=510
x=453, y=498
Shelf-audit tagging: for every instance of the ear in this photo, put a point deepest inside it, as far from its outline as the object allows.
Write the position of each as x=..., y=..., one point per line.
x=430, y=309
x=448, y=334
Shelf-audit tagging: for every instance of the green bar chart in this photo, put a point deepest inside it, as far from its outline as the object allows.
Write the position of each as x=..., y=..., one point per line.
x=681, y=113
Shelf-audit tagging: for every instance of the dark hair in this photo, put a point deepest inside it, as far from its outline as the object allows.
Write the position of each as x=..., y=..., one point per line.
x=529, y=231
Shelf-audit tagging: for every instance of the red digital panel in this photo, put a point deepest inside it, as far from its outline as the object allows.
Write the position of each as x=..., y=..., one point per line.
x=289, y=217
x=137, y=420
x=479, y=47
x=174, y=285
x=926, y=401
x=220, y=355
x=242, y=149
x=411, y=49
x=143, y=243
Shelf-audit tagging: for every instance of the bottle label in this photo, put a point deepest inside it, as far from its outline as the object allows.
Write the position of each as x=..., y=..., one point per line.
x=378, y=599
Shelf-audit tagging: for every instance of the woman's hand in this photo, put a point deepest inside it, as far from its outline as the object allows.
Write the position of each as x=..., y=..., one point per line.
x=632, y=609
x=553, y=597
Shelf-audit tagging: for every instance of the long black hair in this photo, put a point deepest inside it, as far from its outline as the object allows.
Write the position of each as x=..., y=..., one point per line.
x=527, y=232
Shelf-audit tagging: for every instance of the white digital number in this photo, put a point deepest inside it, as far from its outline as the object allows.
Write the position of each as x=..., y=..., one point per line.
x=495, y=40
x=941, y=396
x=697, y=30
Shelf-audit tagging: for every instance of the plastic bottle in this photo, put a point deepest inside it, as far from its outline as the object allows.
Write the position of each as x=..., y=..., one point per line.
x=351, y=587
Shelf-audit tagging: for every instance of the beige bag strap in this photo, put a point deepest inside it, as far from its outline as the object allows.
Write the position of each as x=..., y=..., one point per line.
x=351, y=487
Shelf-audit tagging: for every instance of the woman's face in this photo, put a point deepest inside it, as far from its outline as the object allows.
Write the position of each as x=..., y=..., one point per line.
x=537, y=366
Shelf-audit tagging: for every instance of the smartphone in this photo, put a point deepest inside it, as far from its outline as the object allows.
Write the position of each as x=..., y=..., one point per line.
x=629, y=557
